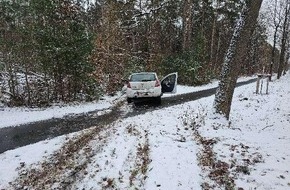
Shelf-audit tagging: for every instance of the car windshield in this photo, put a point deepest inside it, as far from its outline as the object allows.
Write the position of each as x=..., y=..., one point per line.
x=143, y=77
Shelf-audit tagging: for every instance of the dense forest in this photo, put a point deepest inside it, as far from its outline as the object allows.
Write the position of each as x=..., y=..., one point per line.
x=76, y=50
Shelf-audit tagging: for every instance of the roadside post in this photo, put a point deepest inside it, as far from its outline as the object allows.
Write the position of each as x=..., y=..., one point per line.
x=260, y=81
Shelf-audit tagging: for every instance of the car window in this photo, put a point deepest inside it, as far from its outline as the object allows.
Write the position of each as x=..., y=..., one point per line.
x=142, y=77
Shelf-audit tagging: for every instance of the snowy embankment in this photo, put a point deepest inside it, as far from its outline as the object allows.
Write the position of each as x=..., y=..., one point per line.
x=179, y=147
x=16, y=116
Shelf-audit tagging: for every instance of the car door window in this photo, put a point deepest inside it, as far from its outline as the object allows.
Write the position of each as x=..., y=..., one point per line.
x=169, y=83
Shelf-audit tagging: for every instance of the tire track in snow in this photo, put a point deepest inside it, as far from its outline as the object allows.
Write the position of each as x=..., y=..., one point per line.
x=122, y=164
x=61, y=169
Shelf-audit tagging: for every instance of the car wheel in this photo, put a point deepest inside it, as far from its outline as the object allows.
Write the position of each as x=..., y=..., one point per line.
x=158, y=100
x=129, y=100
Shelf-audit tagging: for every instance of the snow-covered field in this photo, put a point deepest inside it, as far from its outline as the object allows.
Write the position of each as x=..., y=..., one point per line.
x=179, y=147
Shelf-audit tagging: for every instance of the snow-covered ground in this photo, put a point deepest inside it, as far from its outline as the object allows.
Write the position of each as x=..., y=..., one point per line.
x=16, y=116
x=178, y=147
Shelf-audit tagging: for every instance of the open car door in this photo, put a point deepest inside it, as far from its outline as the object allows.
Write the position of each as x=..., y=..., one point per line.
x=169, y=83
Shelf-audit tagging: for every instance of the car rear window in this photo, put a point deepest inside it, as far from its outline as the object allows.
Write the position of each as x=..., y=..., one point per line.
x=142, y=77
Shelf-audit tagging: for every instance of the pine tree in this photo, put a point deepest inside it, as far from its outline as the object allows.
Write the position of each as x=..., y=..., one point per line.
x=64, y=46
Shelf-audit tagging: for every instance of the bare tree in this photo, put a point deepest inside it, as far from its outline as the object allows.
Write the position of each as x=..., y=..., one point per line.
x=287, y=59
x=234, y=56
x=285, y=36
x=277, y=19
x=213, y=37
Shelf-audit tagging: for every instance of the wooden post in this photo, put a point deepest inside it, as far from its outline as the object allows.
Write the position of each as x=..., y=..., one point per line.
x=267, y=87
x=1, y=93
x=258, y=84
x=261, y=90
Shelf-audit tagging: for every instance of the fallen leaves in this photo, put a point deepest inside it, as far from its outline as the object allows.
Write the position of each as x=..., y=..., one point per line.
x=61, y=169
x=220, y=173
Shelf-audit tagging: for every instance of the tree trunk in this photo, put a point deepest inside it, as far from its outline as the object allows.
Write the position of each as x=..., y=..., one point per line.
x=284, y=41
x=287, y=56
x=277, y=22
x=27, y=86
x=235, y=55
x=273, y=52
x=213, y=36
x=187, y=24
x=218, y=49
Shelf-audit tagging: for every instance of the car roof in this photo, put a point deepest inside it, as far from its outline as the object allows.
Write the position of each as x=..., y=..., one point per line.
x=144, y=73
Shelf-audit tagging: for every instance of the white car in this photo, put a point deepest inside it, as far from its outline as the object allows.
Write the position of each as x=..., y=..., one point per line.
x=146, y=85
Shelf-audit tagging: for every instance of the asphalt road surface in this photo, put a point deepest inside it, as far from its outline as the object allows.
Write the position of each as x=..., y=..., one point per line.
x=14, y=137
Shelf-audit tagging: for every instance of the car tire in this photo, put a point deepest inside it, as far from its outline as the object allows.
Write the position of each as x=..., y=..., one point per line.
x=129, y=100
x=158, y=100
